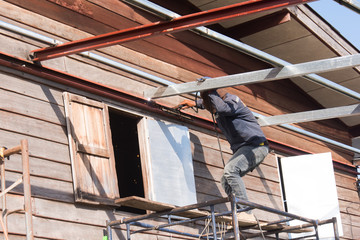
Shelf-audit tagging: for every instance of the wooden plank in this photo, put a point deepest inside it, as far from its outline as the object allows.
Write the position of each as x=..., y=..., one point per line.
x=208, y=139
x=30, y=89
x=32, y=107
x=54, y=229
x=33, y=127
x=305, y=143
x=36, y=21
x=208, y=187
x=37, y=147
x=141, y=203
x=13, y=237
x=346, y=194
x=350, y=219
x=345, y=180
x=101, y=152
x=61, y=14
x=350, y=232
x=145, y=204
x=207, y=172
x=261, y=185
x=41, y=168
x=350, y=208
x=208, y=156
x=44, y=187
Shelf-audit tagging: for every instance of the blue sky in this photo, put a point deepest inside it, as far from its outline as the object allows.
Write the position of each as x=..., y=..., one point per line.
x=346, y=21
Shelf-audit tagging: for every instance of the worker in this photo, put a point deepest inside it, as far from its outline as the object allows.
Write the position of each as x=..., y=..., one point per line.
x=246, y=139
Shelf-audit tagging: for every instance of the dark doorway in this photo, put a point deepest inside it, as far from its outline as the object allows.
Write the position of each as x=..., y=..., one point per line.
x=127, y=156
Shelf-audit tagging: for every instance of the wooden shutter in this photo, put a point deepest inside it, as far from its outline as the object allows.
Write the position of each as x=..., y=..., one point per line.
x=92, y=154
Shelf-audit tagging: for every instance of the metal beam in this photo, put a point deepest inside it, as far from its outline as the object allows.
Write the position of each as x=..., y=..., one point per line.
x=159, y=28
x=260, y=76
x=309, y=116
x=242, y=47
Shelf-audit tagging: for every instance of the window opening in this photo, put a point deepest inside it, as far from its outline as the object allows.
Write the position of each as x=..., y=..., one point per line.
x=127, y=156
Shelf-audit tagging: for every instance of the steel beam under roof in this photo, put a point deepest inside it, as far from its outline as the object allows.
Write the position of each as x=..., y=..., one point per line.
x=241, y=47
x=158, y=28
x=259, y=76
x=309, y=116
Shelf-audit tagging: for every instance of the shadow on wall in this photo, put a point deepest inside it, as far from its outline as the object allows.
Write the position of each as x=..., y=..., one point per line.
x=207, y=177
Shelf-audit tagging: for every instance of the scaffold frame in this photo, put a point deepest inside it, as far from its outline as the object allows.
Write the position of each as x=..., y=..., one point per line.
x=23, y=148
x=236, y=232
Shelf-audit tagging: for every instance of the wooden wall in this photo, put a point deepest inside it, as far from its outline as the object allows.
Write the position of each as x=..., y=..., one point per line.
x=34, y=109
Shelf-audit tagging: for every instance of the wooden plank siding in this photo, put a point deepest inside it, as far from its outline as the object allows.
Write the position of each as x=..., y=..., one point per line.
x=34, y=109
x=51, y=182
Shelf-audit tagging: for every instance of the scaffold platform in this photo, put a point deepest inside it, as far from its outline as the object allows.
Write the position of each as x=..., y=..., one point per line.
x=244, y=229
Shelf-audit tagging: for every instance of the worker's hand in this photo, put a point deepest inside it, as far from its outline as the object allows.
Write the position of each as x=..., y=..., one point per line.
x=186, y=104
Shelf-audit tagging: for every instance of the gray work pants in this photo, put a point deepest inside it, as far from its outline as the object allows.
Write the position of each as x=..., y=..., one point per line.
x=244, y=160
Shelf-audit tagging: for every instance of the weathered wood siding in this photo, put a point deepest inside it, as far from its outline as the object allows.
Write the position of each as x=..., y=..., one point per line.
x=34, y=109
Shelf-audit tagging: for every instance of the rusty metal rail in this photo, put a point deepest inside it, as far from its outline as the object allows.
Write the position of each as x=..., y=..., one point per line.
x=234, y=233
x=186, y=22
x=25, y=179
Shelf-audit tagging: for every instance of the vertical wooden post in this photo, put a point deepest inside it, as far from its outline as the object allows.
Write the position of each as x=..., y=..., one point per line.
x=27, y=189
x=3, y=198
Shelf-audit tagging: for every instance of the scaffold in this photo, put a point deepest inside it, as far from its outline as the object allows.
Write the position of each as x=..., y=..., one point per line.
x=238, y=228
x=25, y=180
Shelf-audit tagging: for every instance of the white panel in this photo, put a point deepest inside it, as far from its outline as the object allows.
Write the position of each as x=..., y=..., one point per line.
x=169, y=163
x=310, y=189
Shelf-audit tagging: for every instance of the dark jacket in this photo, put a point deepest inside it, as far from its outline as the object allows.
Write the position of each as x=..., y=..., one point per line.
x=235, y=120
